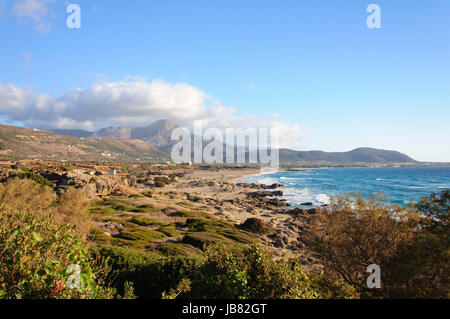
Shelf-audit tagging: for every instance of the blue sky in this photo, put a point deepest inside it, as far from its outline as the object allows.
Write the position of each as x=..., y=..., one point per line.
x=336, y=83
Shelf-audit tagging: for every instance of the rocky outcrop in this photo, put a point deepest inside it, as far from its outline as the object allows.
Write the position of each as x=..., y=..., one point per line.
x=262, y=194
x=260, y=186
x=94, y=183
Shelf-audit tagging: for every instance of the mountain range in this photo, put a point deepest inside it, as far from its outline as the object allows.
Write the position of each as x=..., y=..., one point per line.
x=18, y=143
x=153, y=143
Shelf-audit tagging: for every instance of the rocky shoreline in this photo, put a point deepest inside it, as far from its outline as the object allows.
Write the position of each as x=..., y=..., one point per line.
x=213, y=193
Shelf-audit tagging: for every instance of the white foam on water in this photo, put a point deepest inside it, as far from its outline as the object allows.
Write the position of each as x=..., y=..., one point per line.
x=322, y=199
x=297, y=196
x=267, y=181
x=283, y=178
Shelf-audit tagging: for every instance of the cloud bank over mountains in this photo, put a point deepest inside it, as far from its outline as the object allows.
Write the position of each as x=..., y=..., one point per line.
x=135, y=103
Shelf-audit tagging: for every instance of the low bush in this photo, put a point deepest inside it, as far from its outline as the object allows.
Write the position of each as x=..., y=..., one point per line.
x=72, y=207
x=257, y=226
x=179, y=250
x=36, y=254
x=222, y=273
x=202, y=239
x=420, y=268
x=141, y=234
x=26, y=195
x=144, y=221
x=410, y=245
x=169, y=231
x=251, y=273
x=151, y=276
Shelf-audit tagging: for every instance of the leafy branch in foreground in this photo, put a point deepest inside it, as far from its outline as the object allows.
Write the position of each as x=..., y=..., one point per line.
x=35, y=254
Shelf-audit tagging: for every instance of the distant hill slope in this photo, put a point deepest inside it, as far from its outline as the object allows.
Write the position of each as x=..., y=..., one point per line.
x=22, y=143
x=360, y=155
x=158, y=135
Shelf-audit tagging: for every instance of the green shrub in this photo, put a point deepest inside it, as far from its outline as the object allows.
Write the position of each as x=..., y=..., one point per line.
x=228, y=230
x=190, y=214
x=257, y=226
x=411, y=245
x=251, y=273
x=238, y=236
x=36, y=254
x=185, y=205
x=98, y=235
x=144, y=221
x=142, y=234
x=150, y=275
x=223, y=273
x=143, y=210
x=332, y=288
x=104, y=211
x=161, y=181
x=28, y=174
x=200, y=239
x=117, y=204
x=169, y=231
x=179, y=250
x=136, y=196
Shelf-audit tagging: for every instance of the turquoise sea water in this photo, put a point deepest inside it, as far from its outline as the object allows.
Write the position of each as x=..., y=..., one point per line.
x=400, y=184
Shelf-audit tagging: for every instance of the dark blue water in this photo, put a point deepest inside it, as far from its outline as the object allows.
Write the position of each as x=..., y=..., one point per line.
x=400, y=184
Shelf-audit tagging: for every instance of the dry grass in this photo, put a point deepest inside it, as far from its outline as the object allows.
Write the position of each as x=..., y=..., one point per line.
x=28, y=196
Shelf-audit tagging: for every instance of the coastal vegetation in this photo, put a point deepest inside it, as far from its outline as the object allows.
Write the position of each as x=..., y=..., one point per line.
x=139, y=242
x=411, y=245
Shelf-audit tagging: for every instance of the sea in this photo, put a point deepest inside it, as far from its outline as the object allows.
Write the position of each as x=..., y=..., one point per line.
x=401, y=185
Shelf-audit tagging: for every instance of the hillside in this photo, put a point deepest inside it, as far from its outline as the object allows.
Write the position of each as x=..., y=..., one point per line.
x=158, y=135
x=360, y=155
x=22, y=143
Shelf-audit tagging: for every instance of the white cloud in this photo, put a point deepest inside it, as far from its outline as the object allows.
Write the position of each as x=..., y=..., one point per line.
x=135, y=102
x=35, y=12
